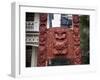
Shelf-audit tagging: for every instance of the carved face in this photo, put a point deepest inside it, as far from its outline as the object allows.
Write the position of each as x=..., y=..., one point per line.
x=76, y=19
x=60, y=34
x=60, y=42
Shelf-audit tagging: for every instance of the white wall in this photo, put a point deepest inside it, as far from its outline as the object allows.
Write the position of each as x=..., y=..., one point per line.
x=5, y=39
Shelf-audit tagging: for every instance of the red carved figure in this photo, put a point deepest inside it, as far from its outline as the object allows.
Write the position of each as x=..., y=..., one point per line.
x=59, y=42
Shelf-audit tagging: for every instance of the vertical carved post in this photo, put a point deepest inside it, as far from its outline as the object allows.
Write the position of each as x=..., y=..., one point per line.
x=41, y=61
x=76, y=40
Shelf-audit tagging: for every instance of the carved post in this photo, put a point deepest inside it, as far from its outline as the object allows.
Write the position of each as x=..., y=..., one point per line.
x=76, y=40
x=41, y=61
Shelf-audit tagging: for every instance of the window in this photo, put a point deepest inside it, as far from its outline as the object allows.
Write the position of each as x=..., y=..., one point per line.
x=66, y=21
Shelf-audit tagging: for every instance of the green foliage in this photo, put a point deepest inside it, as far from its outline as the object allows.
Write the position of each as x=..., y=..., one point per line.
x=84, y=39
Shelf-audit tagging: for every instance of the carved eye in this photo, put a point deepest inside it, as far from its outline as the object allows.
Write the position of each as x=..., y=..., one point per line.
x=56, y=32
x=63, y=33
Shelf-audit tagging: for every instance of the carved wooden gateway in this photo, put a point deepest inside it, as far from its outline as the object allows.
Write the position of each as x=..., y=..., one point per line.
x=59, y=45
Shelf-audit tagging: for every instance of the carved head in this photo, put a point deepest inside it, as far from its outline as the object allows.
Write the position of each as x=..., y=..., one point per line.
x=60, y=34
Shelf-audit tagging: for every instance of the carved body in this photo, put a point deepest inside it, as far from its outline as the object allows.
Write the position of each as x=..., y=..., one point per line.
x=59, y=41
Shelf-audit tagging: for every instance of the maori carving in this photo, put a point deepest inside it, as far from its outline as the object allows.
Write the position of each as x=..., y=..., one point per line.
x=76, y=19
x=76, y=40
x=59, y=41
x=41, y=61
